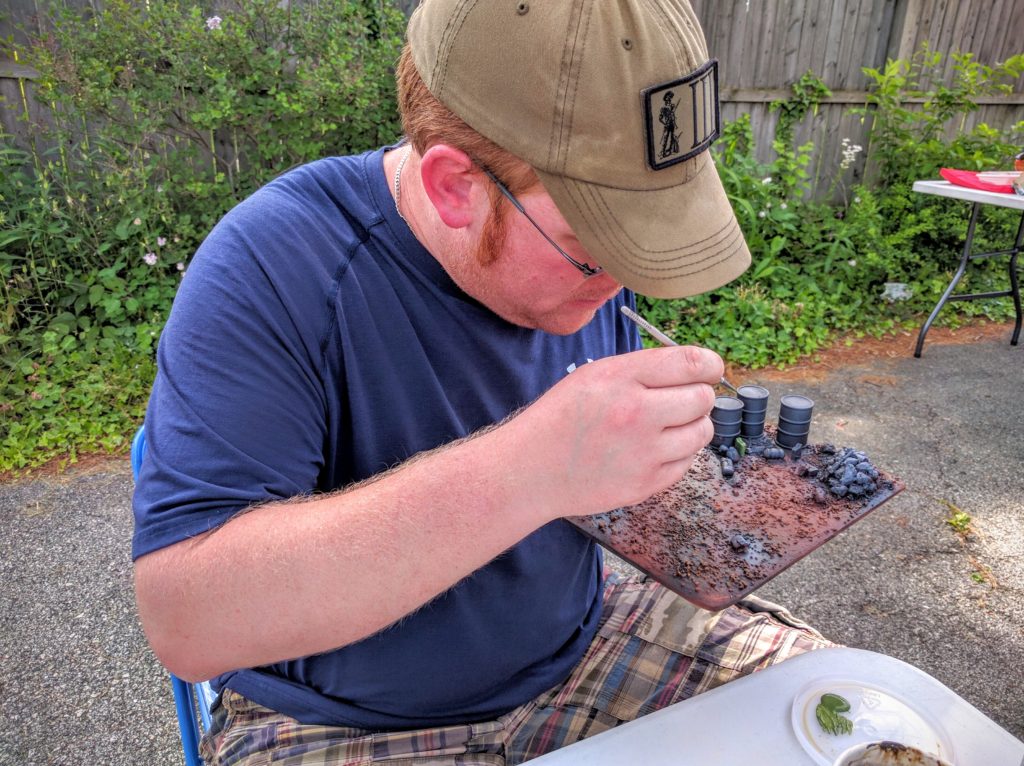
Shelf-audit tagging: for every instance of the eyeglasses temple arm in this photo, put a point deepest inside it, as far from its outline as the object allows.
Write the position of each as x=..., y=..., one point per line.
x=584, y=267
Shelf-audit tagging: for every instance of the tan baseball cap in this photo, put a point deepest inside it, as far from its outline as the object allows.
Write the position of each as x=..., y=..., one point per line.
x=614, y=103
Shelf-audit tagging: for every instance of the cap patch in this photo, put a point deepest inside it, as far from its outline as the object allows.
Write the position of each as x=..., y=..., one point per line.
x=681, y=117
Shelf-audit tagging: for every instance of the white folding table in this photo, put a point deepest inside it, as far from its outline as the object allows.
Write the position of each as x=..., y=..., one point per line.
x=978, y=198
x=750, y=720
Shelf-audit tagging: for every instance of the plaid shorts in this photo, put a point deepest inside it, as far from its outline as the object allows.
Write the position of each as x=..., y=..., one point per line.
x=652, y=649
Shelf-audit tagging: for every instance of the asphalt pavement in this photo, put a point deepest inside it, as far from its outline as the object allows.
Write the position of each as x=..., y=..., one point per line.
x=78, y=683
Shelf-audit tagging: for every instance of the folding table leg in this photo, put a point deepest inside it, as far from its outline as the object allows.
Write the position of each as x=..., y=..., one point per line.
x=964, y=260
x=1018, y=243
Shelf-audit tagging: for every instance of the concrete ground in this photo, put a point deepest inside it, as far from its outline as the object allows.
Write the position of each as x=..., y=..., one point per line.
x=79, y=685
x=903, y=581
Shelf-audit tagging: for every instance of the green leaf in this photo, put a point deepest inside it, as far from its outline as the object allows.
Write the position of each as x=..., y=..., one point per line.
x=124, y=228
x=8, y=237
x=828, y=715
x=835, y=703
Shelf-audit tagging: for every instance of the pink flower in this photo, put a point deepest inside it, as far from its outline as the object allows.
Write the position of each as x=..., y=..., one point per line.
x=181, y=266
x=161, y=241
x=150, y=259
x=213, y=22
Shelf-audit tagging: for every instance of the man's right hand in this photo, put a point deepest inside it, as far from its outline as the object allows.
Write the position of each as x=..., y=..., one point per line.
x=616, y=431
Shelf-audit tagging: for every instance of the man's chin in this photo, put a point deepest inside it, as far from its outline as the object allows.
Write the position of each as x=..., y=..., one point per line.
x=570, y=320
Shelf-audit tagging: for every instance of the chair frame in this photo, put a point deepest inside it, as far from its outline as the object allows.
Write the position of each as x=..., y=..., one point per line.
x=191, y=701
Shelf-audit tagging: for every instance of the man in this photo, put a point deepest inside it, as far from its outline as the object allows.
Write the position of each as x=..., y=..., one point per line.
x=388, y=378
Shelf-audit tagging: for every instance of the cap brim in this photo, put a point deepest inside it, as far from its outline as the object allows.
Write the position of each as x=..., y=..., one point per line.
x=674, y=242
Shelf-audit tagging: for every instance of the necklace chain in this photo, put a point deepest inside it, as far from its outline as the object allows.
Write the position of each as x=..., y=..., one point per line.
x=398, y=182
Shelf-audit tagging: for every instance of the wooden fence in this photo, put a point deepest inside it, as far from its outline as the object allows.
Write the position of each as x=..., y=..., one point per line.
x=763, y=46
x=766, y=45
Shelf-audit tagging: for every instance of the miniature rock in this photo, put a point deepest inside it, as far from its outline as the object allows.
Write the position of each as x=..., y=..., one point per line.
x=728, y=469
x=850, y=472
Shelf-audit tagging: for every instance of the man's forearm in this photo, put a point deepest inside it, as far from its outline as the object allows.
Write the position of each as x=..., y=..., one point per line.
x=290, y=579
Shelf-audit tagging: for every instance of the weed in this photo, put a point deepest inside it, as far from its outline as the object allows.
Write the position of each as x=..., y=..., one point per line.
x=959, y=521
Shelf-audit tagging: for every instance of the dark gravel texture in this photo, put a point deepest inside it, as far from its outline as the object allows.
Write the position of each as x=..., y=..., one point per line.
x=79, y=685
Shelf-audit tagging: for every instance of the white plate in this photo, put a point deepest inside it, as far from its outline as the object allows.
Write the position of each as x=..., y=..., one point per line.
x=998, y=176
x=877, y=714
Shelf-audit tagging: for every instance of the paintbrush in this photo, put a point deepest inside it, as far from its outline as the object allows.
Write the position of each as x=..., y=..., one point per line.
x=662, y=338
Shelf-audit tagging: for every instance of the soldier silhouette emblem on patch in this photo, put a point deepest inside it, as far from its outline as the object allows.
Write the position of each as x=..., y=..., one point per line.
x=681, y=116
x=667, y=117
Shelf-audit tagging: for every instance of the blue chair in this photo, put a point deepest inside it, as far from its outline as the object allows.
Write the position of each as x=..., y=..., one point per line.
x=189, y=699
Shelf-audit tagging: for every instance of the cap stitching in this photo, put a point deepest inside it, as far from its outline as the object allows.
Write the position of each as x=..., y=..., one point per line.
x=633, y=246
x=560, y=87
x=693, y=35
x=618, y=232
x=726, y=251
x=627, y=244
x=451, y=31
x=576, y=82
x=679, y=50
x=677, y=271
x=558, y=127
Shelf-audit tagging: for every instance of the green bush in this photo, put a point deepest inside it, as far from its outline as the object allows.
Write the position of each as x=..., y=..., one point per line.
x=923, y=235
x=162, y=119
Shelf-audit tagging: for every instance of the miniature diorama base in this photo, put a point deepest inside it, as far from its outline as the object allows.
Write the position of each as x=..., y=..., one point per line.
x=714, y=538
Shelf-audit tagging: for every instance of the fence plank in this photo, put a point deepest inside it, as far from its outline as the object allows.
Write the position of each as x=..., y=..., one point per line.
x=791, y=41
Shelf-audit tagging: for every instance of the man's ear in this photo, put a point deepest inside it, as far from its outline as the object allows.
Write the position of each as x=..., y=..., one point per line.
x=452, y=182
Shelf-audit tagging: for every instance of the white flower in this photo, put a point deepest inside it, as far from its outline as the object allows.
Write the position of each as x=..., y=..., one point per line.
x=137, y=222
x=783, y=205
x=850, y=152
x=181, y=266
x=150, y=259
x=213, y=22
x=767, y=180
x=852, y=261
x=856, y=200
x=762, y=214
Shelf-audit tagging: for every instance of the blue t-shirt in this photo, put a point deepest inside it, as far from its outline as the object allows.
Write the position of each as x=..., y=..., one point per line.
x=313, y=343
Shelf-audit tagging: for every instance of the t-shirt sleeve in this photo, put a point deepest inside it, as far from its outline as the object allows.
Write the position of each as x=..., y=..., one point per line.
x=236, y=415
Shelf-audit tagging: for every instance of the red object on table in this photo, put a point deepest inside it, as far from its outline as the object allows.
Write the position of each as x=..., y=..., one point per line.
x=985, y=180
